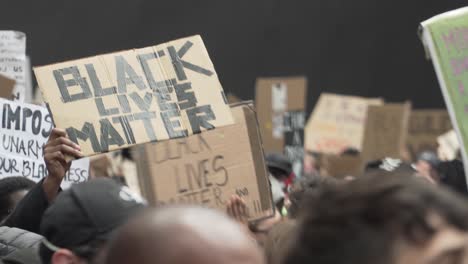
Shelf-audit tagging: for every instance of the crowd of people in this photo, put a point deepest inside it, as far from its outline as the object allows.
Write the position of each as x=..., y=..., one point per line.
x=394, y=213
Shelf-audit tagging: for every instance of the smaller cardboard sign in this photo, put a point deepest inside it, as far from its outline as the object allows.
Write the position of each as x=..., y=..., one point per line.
x=25, y=130
x=13, y=62
x=117, y=100
x=385, y=131
x=425, y=127
x=208, y=168
x=337, y=123
x=341, y=166
x=6, y=87
x=281, y=104
x=275, y=97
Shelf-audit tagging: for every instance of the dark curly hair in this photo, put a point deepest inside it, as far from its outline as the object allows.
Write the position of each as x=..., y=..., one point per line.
x=360, y=221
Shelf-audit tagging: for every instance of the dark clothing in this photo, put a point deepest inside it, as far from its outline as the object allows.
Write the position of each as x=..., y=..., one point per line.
x=19, y=246
x=28, y=213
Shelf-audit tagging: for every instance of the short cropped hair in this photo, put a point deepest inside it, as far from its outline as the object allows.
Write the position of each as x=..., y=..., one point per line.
x=359, y=222
x=9, y=186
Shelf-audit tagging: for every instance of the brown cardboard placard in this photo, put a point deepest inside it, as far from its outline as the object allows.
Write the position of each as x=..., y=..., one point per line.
x=341, y=166
x=208, y=168
x=385, y=131
x=6, y=87
x=274, y=97
x=337, y=123
x=121, y=99
x=425, y=126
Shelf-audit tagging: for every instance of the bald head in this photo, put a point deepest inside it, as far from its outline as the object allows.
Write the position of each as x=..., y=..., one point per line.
x=183, y=235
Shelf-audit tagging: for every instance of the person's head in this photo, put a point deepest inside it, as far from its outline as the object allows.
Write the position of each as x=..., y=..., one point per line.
x=385, y=219
x=180, y=235
x=308, y=187
x=77, y=226
x=12, y=190
x=278, y=165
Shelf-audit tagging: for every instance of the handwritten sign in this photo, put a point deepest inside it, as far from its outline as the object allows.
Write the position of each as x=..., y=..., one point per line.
x=117, y=100
x=208, y=168
x=385, y=131
x=13, y=61
x=25, y=130
x=445, y=39
x=425, y=127
x=337, y=123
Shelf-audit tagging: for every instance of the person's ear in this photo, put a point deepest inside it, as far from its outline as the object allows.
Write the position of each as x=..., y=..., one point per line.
x=65, y=256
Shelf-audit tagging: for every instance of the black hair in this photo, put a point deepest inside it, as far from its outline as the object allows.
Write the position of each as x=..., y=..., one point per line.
x=9, y=186
x=306, y=189
x=359, y=222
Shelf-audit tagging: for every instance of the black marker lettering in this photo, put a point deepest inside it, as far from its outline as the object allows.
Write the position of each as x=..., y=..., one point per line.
x=126, y=75
x=76, y=80
x=186, y=98
x=172, y=125
x=201, y=121
x=98, y=90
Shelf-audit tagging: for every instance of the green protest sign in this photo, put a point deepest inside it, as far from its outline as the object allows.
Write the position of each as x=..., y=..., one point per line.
x=446, y=40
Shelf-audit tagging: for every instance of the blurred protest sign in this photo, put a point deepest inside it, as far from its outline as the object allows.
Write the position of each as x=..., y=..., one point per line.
x=208, y=168
x=449, y=146
x=280, y=104
x=6, y=87
x=13, y=61
x=337, y=123
x=446, y=42
x=341, y=166
x=25, y=130
x=385, y=131
x=425, y=126
x=117, y=100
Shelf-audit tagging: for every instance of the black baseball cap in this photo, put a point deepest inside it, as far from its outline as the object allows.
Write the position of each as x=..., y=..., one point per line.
x=88, y=211
x=279, y=161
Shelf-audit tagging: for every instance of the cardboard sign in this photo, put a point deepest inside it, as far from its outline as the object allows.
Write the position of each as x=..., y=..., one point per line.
x=6, y=87
x=208, y=168
x=25, y=130
x=337, y=123
x=13, y=61
x=425, y=127
x=121, y=99
x=385, y=131
x=341, y=166
x=274, y=97
x=444, y=37
x=280, y=104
